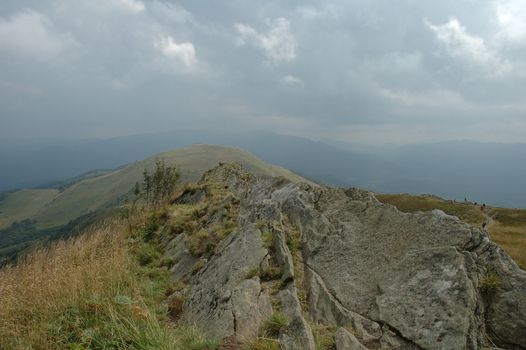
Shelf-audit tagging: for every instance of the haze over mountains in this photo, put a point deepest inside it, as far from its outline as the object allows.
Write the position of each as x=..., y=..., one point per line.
x=484, y=172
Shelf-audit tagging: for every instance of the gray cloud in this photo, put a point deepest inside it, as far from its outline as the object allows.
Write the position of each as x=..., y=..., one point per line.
x=372, y=71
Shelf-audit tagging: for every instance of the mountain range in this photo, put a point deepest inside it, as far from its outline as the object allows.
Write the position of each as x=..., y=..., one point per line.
x=490, y=173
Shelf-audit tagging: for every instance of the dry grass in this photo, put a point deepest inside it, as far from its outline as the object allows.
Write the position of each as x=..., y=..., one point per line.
x=85, y=293
x=512, y=238
x=410, y=203
x=49, y=281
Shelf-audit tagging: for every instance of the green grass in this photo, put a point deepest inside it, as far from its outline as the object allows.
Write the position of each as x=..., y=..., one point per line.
x=24, y=204
x=274, y=324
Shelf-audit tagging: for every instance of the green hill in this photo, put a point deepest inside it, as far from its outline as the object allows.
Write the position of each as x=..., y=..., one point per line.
x=51, y=207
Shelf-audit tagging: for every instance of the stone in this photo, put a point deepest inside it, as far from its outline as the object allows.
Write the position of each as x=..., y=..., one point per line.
x=346, y=341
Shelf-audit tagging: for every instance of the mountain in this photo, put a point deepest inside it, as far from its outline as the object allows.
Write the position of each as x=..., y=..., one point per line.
x=33, y=215
x=492, y=173
x=483, y=172
x=44, y=163
x=53, y=207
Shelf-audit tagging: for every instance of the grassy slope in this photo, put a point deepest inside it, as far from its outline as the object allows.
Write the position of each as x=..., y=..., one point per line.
x=93, y=193
x=23, y=204
x=507, y=227
x=92, y=292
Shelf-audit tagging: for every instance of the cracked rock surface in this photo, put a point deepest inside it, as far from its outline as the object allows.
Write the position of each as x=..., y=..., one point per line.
x=382, y=278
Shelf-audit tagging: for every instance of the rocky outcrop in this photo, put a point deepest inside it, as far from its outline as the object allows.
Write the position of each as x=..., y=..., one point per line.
x=339, y=258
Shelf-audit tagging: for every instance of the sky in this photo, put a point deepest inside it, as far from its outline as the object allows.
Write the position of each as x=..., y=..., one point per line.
x=364, y=71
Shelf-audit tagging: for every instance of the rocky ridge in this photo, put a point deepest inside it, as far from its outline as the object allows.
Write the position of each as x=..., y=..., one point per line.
x=302, y=266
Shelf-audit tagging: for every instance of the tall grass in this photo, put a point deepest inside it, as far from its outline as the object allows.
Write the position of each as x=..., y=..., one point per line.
x=83, y=293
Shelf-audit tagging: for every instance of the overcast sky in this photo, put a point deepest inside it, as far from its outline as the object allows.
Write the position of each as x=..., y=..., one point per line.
x=370, y=71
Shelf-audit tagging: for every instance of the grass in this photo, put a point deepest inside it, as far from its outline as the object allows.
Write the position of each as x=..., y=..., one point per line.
x=89, y=292
x=274, y=324
x=24, y=204
x=324, y=337
x=509, y=217
x=512, y=238
x=466, y=212
x=262, y=344
x=490, y=281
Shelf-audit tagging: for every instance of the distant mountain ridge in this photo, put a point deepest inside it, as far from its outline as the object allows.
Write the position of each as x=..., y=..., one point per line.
x=483, y=172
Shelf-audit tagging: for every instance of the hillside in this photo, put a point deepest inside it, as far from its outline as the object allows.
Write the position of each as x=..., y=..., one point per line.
x=29, y=217
x=50, y=207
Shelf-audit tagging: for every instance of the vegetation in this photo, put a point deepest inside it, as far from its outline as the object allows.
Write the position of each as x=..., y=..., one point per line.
x=490, y=281
x=90, y=292
x=158, y=186
x=466, y=212
x=324, y=336
x=23, y=236
x=274, y=324
x=24, y=204
x=100, y=290
x=263, y=344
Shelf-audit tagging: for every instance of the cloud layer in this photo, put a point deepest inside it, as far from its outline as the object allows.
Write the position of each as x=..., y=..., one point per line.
x=364, y=71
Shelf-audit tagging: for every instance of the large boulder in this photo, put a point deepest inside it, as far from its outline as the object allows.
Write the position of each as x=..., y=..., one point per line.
x=398, y=280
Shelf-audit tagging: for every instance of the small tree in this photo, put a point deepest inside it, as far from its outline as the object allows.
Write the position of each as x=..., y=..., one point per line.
x=159, y=185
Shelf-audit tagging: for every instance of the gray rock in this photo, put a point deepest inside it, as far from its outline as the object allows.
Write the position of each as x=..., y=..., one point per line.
x=222, y=302
x=431, y=304
x=400, y=280
x=298, y=334
x=346, y=341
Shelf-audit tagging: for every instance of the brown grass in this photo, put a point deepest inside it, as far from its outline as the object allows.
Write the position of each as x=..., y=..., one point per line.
x=48, y=282
x=512, y=239
x=466, y=212
x=87, y=292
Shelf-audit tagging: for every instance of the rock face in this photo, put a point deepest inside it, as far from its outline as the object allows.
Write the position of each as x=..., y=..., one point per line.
x=339, y=259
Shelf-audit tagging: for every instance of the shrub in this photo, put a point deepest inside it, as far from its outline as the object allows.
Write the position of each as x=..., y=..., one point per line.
x=274, y=324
